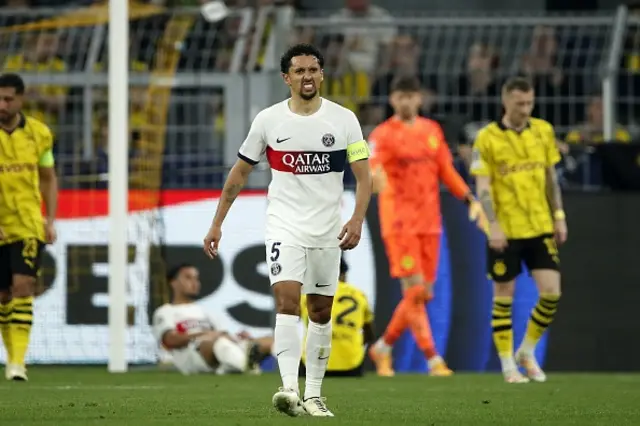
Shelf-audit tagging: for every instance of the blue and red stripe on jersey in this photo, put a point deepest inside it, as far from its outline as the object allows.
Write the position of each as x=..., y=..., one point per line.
x=307, y=162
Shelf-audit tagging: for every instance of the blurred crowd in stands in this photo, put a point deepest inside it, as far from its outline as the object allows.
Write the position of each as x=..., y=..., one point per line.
x=364, y=52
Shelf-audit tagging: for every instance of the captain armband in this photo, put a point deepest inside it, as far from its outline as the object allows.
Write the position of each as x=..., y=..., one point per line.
x=357, y=151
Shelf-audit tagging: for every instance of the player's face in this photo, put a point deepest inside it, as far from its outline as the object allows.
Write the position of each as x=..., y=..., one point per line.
x=406, y=105
x=518, y=106
x=10, y=104
x=188, y=283
x=304, y=76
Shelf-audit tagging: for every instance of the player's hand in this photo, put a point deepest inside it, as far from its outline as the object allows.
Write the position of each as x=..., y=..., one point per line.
x=478, y=216
x=560, y=231
x=50, y=234
x=211, y=241
x=497, y=239
x=350, y=235
x=244, y=335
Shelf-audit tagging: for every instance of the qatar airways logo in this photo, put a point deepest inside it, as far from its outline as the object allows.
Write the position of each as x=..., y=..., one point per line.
x=307, y=163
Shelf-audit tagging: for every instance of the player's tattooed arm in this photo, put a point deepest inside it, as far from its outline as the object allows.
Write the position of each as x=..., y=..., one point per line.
x=554, y=193
x=232, y=188
x=483, y=185
x=232, y=191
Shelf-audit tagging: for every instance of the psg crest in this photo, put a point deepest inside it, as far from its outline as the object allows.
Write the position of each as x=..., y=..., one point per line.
x=328, y=140
x=275, y=268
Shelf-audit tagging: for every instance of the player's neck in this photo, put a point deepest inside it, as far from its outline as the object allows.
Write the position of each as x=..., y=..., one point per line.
x=300, y=106
x=509, y=124
x=11, y=125
x=181, y=301
x=408, y=121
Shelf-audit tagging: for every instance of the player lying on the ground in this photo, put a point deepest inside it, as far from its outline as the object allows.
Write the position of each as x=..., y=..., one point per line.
x=352, y=322
x=410, y=158
x=195, y=339
x=514, y=163
x=28, y=177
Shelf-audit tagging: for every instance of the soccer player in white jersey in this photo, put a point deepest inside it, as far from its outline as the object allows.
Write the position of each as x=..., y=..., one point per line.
x=307, y=141
x=195, y=339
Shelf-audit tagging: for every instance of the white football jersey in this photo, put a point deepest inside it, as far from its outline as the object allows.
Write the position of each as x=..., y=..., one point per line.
x=187, y=318
x=307, y=156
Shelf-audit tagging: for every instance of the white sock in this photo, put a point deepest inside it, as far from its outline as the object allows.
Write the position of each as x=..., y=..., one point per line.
x=508, y=363
x=318, y=351
x=229, y=354
x=287, y=346
x=381, y=346
x=527, y=347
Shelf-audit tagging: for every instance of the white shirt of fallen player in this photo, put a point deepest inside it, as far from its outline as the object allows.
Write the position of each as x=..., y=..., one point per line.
x=187, y=318
x=307, y=156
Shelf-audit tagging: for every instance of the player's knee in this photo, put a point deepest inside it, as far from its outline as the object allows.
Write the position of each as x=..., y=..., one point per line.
x=23, y=286
x=504, y=289
x=287, y=298
x=412, y=281
x=5, y=297
x=320, y=314
x=319, y=308
x=547, y=281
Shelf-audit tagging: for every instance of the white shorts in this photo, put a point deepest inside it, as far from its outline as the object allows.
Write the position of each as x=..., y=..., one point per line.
x=317, y=269
x=189, y=361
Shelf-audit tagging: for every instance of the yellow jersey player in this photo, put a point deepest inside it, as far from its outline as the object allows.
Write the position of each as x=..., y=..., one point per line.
x=352, y=320
x=27, y=176
x=514, y=163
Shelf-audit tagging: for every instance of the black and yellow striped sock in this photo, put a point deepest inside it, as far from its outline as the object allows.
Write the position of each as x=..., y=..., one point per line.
x=5, y=317
x=20, y=323
x=501, y=324
x=541, y=317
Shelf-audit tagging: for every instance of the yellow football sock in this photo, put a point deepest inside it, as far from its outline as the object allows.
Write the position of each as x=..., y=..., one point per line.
x=21, y=320
x=5, y=316
x=541, y=317
x=501, y=324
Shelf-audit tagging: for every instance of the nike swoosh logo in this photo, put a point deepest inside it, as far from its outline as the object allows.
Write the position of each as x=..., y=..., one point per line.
x=281, y=352
x=322, y=285
x=282, y=140
x=326, y=357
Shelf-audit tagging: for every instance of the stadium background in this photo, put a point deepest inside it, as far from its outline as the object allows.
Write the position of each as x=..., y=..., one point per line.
x=195, y=88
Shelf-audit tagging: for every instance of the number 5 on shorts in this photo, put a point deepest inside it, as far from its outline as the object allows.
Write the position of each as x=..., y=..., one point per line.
x=275, y=252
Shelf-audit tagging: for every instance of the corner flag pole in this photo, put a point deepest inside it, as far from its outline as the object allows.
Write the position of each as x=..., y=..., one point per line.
x=118, y=181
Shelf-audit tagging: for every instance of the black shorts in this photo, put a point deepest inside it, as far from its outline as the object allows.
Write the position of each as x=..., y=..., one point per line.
x=356, y=372
x=536, y=253
x=19, y=258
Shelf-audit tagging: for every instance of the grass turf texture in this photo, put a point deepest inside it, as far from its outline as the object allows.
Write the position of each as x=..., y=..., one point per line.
x=90, y=396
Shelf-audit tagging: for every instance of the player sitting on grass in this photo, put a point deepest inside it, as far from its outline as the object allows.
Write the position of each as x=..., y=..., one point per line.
x=194, y=338
x=352, y=329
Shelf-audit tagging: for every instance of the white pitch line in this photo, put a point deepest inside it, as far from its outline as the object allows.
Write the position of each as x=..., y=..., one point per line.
x=83, y=387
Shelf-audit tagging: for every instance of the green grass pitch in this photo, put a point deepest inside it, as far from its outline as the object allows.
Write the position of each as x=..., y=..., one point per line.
x=90, y=396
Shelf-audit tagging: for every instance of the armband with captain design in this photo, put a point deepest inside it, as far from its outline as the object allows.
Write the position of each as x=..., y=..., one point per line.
x=357, y=151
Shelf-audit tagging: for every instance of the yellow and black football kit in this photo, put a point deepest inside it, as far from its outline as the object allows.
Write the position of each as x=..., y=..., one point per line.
x=22, y=153
x=350, y=314
x=516, y=162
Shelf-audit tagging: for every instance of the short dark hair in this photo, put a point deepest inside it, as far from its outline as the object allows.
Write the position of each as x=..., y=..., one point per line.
x=13, y=80
x=406, y=84
x=519, y=83
x=173, y=273
x=301, y=49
